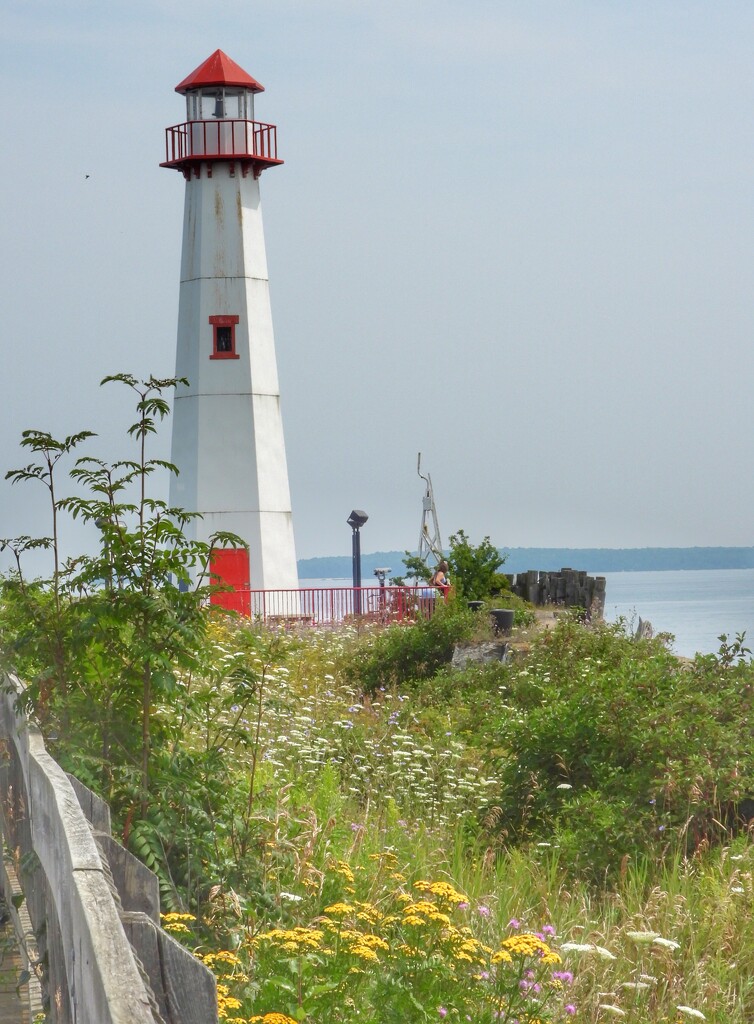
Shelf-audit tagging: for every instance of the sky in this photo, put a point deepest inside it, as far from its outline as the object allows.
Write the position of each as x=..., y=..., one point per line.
x=514, y=237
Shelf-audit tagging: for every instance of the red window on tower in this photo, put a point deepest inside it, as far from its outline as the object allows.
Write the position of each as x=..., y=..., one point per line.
x=224, y=337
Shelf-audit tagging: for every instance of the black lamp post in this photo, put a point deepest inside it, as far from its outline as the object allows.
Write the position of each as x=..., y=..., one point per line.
x=356, y=520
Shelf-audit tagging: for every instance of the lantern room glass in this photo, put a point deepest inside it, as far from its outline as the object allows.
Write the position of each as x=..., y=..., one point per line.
x=220, y=103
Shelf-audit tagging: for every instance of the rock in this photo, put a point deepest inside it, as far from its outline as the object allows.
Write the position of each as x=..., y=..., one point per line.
x=644, y=630
x=479, y=653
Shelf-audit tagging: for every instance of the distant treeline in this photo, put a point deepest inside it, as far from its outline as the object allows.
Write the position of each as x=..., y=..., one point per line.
x=591, y=560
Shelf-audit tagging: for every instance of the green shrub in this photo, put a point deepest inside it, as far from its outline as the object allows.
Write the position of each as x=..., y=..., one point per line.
x=474, y=567
x=611, y=747
x=416, y=651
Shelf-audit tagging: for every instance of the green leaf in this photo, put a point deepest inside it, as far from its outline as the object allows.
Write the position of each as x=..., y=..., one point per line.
x=328, y=986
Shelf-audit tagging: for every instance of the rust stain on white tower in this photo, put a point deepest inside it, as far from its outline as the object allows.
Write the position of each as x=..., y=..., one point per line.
x=227, y=427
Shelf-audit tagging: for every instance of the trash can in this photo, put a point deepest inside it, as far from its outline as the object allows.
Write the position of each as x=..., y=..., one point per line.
x=476, y=606
x=502, y=620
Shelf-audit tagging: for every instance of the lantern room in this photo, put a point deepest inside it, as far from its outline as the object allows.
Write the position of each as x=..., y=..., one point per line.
x=220, y=121
x=221, y=102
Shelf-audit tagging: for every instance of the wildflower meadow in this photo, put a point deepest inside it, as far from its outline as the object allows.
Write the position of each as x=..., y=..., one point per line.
x=347, y=829
x=402, y=854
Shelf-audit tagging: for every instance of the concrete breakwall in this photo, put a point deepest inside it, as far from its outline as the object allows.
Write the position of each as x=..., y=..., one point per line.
x=568, y=588
x=87, y=911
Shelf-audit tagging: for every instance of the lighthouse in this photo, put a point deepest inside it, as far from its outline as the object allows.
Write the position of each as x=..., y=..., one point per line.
x=228, y=440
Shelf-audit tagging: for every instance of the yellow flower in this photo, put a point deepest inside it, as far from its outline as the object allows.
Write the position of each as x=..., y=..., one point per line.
x=340, y=867
x=221, y=956
x=364, y=952
x=292, y=940
x=338, y=909
x=365, y=939
x=437, y=916
x=226, y=1002
x=386, y=856
x=176, y=927
x=272, y=1018
x=420, y=907
x=176, y=923
x=443, y=890
x=527, y=944
x=411, y=950
x=502, y=957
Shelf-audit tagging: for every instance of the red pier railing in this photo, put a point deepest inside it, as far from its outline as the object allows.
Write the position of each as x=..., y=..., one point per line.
x=331, y=606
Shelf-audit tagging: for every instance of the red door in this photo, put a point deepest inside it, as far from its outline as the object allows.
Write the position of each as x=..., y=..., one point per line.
x=230, y=566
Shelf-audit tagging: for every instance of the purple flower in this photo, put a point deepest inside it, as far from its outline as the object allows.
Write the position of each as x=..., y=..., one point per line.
x=570, y=1009
x=484, y=975
x=514, y=923
x=462, y=906
x=548, y=930
x=355, y=827
x=442, y=1011
x=565, y=976
x=484, y=911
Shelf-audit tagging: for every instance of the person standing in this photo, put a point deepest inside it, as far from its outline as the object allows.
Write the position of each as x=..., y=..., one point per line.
x=440, y=578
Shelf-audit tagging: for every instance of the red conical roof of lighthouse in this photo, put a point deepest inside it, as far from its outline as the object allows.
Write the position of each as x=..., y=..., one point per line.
x=219, y=69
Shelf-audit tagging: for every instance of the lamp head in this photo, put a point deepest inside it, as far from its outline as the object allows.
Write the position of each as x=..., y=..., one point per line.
x=357, y=519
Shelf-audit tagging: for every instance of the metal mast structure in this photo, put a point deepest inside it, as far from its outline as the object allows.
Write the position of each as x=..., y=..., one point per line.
x=430, y=541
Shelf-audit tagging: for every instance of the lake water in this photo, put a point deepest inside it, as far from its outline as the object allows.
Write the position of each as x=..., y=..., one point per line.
x=696, y=605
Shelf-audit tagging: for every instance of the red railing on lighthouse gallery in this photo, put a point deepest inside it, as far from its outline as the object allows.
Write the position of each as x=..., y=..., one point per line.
x=331, y=606
x=197, y=140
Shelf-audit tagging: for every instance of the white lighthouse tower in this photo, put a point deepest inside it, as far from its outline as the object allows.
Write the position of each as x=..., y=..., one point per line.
x=227, y=428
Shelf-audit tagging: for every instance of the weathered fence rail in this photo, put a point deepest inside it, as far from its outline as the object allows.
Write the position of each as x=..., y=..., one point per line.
x=92, y=938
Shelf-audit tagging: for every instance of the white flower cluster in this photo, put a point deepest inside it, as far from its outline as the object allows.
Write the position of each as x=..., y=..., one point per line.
x=311, y=720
